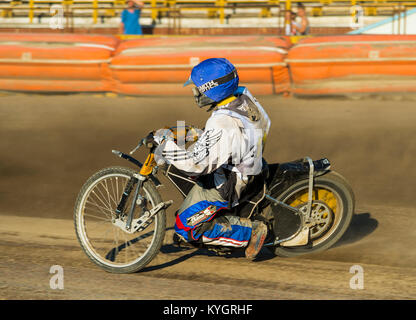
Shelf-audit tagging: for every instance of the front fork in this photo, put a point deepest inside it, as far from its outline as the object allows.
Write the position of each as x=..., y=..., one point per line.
x=125, y=195
x=140, y=180
x=137, y=179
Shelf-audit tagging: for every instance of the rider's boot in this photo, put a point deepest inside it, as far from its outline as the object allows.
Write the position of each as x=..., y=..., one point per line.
x=258, y=235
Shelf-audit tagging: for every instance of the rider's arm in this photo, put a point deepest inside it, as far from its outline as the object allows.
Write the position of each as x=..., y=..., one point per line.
x=212, y=149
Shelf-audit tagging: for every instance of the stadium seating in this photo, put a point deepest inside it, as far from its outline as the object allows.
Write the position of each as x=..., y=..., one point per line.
x=222, y=10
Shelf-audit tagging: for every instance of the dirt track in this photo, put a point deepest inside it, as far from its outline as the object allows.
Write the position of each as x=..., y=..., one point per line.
x=52, y=144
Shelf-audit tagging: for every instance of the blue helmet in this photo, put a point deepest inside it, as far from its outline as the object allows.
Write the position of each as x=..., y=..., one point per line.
x=216, y=78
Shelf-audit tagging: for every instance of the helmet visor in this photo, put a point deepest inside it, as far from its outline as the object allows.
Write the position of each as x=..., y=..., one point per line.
x=188, y=82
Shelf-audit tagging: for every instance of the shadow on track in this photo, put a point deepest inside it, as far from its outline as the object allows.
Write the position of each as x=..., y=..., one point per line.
x=170, y=248
x=362, y=224
x=166, y=249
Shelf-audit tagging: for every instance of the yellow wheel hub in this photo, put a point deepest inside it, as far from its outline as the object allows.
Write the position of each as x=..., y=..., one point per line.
x=318, y=194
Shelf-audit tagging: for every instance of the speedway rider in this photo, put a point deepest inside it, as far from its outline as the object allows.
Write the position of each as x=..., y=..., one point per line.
x=228, y=152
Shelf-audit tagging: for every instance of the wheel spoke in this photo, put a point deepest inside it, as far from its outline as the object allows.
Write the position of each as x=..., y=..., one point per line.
x=102, y=209
x=105, y=205
x=118, y=198
x=97, y=217
x=93, y=210
x=105, y=187
x=110, y=198
x=114, y=191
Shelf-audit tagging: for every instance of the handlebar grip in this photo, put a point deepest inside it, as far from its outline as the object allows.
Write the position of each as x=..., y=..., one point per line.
x=138, y=146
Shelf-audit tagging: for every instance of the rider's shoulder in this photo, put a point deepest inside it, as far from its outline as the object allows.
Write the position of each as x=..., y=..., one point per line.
x=220, y=121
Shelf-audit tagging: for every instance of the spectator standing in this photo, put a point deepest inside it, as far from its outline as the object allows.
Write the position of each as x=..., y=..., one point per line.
x=130, y=18
x=289, y=21
x=301, y=27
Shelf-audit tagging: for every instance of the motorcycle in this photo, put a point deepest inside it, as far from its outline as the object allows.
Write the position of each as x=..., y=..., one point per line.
x=120, y=217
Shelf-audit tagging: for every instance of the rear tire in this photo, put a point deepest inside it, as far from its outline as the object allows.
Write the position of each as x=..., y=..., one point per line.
x=340, y=187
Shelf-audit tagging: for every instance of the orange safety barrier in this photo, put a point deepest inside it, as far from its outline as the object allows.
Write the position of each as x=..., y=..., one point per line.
x=56, y=62
x=353, y=64
x=153, y=66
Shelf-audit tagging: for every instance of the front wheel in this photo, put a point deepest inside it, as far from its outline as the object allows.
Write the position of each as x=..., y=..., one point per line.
x=332, y=210
x=101, y=233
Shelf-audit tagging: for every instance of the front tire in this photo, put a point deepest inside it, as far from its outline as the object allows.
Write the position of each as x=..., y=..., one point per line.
x=105, y=243
x=331, y=191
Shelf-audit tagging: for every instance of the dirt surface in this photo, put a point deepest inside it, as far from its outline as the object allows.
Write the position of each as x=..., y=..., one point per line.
x=52, y=144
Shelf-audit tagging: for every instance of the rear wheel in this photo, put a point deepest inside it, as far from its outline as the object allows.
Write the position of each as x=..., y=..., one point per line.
x=331, y=212
x=103, y=236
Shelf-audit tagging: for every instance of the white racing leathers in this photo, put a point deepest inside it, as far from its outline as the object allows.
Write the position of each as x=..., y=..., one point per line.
x=226, y=154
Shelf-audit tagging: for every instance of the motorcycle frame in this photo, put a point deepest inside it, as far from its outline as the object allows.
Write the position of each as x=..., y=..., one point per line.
x=147, y=171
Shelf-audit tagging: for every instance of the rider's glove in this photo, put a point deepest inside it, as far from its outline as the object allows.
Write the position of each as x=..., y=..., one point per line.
x=158, y=138
x=162, y=135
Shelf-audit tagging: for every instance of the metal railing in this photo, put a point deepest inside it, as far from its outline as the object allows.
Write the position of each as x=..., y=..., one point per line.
x=174, y=9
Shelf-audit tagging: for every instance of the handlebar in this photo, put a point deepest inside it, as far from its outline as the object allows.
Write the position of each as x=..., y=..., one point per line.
x=149, y=142
x=137, y=147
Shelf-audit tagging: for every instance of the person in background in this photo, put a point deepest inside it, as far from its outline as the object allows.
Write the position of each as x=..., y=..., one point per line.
x=289, y=21
x=302, y=27
x=130, y=18
x=286, y=23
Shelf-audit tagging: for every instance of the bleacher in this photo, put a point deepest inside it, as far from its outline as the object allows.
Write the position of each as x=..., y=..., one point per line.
x=192, y=13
